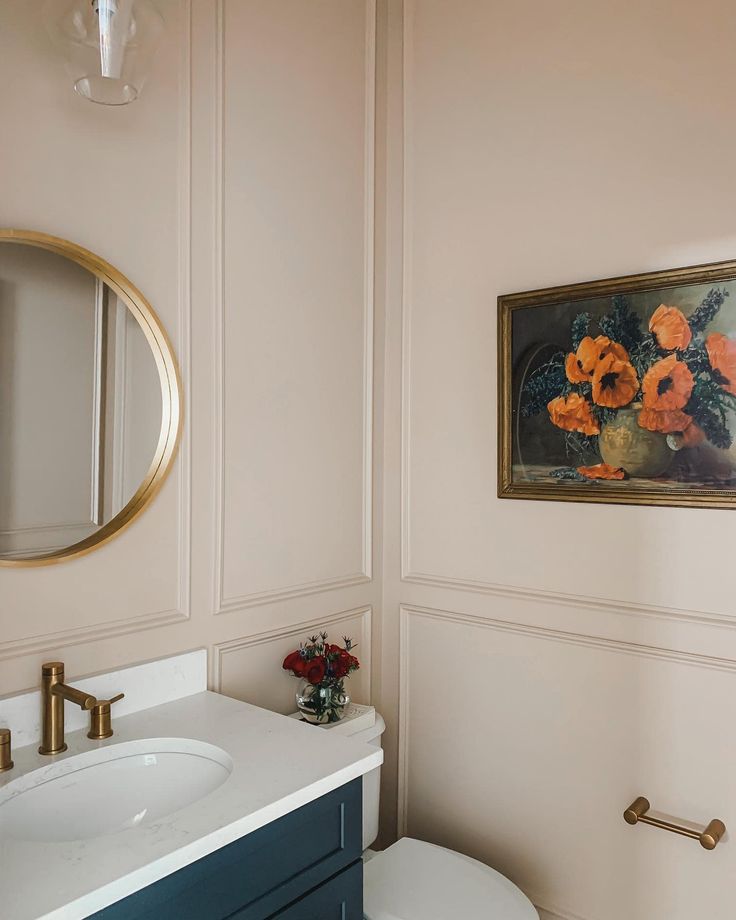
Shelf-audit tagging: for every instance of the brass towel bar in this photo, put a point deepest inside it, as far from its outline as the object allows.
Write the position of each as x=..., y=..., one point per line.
x=708, y=838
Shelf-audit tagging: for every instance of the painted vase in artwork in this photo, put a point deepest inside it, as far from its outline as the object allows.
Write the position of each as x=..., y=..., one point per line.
x=624, y=443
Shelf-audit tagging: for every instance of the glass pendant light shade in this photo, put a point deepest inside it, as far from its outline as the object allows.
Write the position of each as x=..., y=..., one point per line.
x=108, y=45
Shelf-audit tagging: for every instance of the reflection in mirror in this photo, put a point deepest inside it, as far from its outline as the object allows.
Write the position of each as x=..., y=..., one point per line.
x=80, y=402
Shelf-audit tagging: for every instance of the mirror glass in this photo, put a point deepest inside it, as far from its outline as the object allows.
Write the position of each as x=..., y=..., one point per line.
x=82, y=409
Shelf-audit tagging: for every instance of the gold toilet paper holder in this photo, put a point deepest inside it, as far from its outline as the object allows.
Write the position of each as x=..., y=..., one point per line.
x=708, y=838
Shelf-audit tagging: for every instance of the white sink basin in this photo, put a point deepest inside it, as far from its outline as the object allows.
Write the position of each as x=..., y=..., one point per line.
x=111, y=789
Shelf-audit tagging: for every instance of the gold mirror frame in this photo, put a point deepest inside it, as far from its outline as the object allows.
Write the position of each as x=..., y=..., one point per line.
x=171, y=394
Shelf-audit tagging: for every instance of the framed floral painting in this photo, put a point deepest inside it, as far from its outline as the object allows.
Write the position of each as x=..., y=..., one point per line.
x=621, y=390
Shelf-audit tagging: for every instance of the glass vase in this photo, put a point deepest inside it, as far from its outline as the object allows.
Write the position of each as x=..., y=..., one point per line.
x=321, y=704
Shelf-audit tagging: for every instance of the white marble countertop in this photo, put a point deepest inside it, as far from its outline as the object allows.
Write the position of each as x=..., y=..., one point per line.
x=279, y=765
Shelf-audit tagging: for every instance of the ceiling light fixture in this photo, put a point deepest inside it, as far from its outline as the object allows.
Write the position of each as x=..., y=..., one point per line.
x=108, y=45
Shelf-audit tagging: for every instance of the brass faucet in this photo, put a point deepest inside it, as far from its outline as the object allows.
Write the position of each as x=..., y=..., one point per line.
x=53, y=693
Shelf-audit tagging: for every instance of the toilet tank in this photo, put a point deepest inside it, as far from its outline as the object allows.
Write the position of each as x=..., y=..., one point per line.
x=364, y=724
x=371, y=780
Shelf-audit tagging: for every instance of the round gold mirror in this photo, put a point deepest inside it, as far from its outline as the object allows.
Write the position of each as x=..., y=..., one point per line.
x=90, y=400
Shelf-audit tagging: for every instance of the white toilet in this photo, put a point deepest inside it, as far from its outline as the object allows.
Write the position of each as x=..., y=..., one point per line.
x=413, y=880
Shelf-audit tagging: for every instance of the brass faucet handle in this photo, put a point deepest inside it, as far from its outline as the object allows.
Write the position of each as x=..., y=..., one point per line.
x=110, y=702
x=101, y=720
x=6, y=761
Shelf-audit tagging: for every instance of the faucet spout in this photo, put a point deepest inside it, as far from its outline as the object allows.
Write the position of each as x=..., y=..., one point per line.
x=72, y=695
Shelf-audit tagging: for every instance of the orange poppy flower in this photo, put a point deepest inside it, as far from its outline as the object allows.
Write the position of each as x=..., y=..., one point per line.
x=615, y=382
x=670, y=328
x=668, y=421
x=722, y=356
x=574, y=369
x=667, y=385
x=573, y=413
x=580, y=365
x=603, y=471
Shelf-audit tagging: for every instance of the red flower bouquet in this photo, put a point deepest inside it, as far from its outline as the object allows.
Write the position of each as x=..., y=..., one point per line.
x=322, y=669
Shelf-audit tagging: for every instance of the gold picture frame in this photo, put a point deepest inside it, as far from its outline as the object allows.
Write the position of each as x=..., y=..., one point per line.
x=529, y=455
x=169, y=379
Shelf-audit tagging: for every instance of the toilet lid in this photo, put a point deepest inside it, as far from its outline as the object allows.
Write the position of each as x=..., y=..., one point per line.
x=413, y=880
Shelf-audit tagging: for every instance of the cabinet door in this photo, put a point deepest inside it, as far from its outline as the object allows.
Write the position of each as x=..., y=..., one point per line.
x=256, y=876
x=339, y=899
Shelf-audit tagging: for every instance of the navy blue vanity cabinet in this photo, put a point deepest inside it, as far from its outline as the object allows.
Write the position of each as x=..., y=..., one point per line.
x=304, y=866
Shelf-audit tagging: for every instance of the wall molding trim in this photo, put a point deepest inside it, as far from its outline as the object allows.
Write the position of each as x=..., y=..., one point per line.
x=81, y=635
x=222, y=603
x=559, y=599
x=406, y=289
x=369, y=279
x=402, y=791
x=407, y=611
x=288, y=593
x=573, y=638
x=184, y=338
x=218, y=408
x=297, y=630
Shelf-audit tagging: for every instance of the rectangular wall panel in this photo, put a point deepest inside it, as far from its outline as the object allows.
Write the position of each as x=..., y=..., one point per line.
x=296, y=319
x=519, y=175
x=524, y=750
